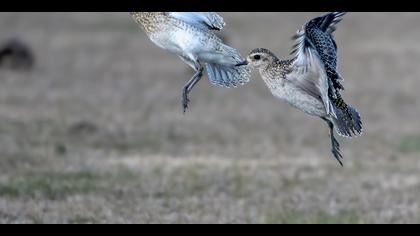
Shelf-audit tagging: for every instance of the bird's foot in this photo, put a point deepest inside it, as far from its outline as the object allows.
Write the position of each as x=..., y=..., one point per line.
x=185, y=101
x=337, y=156
x=335, y=149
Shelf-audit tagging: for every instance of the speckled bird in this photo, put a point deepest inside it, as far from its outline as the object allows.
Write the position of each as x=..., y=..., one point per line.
x=310, y=81
x=190, y=36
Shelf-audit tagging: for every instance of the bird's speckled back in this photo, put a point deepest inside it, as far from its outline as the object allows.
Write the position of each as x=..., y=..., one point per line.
x=150, y=21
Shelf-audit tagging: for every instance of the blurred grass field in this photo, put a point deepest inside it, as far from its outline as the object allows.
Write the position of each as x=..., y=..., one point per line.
x=95, y=132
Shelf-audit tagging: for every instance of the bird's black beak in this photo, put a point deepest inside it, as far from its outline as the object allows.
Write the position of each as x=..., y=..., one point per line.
x=242, y=63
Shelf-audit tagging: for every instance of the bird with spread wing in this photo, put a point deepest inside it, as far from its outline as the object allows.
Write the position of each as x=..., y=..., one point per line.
x=310, y=81
x=190, y=36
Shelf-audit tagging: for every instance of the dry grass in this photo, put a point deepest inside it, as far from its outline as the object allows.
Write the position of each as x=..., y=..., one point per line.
x=95, y=133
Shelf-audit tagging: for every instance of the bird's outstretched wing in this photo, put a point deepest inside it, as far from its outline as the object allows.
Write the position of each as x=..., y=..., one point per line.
x=327, y=22
x=206, y=20
x=316, y=35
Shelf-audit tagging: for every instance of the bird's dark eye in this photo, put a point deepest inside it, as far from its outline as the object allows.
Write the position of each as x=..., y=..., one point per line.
x=257, y=57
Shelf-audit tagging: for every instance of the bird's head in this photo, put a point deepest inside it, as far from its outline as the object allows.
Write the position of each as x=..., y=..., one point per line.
x=259, y=58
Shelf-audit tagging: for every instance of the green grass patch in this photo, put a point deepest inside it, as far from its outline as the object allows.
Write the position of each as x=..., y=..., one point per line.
x=410, y=145
x=49, y=185
x=321, y=217
x=56, y=185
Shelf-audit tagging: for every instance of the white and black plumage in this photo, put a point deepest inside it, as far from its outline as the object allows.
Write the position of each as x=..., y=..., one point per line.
x=310, y=81
x=189, y=35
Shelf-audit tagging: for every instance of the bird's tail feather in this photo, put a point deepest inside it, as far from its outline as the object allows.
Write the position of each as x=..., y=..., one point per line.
x=227, y=76
x=348, y=122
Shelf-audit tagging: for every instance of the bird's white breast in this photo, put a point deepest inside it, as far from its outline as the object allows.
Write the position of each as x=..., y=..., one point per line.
x=179, y=40
x=296, y=97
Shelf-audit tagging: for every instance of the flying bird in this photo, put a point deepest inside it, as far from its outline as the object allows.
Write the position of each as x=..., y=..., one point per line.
x=310, y=81
x=190, y=36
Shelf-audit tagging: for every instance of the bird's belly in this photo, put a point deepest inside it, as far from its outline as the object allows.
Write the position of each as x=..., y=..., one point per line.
x=300, y=100
x=176, y=40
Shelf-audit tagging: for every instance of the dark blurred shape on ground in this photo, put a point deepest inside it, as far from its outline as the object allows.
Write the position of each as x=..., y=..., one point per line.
x=83, y=128
x=16, y=55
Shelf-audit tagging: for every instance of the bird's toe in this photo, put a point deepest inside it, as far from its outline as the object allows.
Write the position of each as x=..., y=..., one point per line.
x=185, y=101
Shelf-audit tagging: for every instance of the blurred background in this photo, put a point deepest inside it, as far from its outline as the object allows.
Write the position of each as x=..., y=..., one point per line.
x=92, y=130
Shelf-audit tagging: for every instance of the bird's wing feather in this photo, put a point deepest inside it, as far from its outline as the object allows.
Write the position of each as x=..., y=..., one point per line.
x=328, y=21
x=316, y=36
x=300, y=49
x=228, y=76
x=206, y=20
x=309, y=73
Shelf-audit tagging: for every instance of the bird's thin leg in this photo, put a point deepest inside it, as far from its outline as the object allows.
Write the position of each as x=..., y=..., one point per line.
x=335, y=145
x=189, y=86
x=194, y=82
